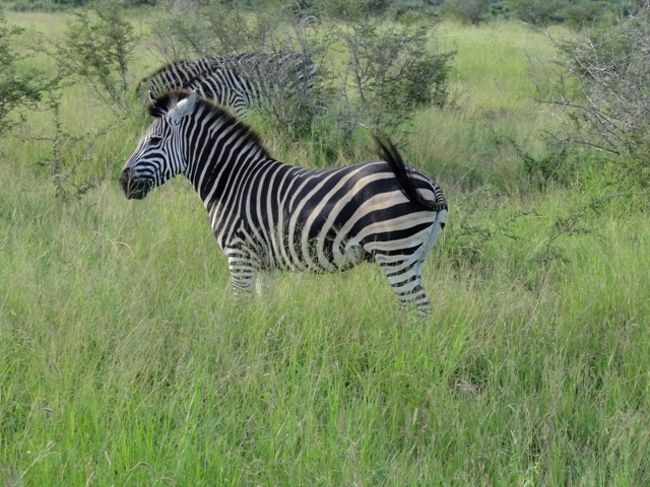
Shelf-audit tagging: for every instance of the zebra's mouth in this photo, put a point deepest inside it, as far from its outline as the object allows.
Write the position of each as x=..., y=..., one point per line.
x=136, y=193
x=133, y=189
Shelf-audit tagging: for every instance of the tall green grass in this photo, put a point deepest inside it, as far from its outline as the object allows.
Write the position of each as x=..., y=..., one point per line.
x=125, y=360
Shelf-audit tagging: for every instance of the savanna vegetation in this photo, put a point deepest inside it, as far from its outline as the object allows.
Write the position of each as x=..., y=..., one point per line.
x=124, y=358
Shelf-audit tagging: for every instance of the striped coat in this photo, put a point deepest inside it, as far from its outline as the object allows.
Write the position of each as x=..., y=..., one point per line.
x=238, y=81
x=267, y=214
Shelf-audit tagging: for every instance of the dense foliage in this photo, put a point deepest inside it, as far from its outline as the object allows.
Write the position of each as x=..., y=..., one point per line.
x=575, y=13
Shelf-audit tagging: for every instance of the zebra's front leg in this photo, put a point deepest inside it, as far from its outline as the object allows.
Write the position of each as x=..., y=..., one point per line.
x=405, y=279
x=243, y=272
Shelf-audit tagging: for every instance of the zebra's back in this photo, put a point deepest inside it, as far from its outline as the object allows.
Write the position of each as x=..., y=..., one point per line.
x=268, y=74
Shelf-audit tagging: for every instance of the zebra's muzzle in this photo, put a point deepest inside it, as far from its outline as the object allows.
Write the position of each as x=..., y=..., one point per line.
x=132, y=188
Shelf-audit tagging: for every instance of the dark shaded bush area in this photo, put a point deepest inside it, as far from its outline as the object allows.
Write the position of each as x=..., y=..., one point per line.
x=468, y=11
x=575, y=13
x=55, y=5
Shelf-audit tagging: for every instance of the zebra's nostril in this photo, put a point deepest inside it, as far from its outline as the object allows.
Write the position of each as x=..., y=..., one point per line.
x=132, y=186
x=442, y=225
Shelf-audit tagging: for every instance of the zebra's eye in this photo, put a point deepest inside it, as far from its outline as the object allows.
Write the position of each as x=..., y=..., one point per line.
x=155, y=140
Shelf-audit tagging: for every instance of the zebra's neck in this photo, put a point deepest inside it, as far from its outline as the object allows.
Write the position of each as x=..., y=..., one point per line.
x=222, y=154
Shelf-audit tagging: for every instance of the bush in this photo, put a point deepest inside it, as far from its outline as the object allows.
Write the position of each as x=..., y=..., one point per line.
x=468, y=11
x=410, y=11
x=539, y=12
x=37, y=6
x=97, y=48
x=17, y=90
x=611, y=106
x=584, y=13
x=187, y=28
x=343, y=9
x=390, y=73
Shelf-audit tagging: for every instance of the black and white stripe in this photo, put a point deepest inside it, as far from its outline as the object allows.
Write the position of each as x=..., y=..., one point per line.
x=268, y=215
x=176, y=75
x=239, y=81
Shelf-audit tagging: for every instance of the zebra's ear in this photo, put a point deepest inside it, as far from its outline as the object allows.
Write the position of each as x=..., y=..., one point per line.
x=185, y=106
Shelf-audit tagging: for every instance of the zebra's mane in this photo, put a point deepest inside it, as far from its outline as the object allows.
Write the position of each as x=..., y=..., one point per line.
x=162, y=68
x=160, y=105
x=216, y=60
x=166, y=67
x=233, y=64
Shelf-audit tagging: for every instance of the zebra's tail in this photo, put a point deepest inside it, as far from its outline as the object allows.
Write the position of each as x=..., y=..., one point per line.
x=389, y=153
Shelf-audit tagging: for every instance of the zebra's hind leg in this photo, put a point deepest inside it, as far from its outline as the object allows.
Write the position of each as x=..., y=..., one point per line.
x=405, y=279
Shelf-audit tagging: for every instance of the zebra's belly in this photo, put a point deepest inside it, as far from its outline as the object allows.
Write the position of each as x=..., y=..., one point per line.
x=316, y=255
x=337, y=251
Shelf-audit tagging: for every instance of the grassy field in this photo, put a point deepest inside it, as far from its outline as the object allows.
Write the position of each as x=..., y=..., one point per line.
x=124, y=359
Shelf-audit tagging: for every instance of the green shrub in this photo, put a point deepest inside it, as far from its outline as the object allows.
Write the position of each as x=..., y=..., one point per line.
x=584, y=13
x=97, y=49
x=605, y=99
x=17, y=89
x=344, y=9
x=539, y=12
x=390, y=73
x=37, y=6
x=414, y=10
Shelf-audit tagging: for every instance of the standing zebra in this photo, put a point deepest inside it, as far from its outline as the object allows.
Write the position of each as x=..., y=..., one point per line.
x=267, y=214
x=239, y=81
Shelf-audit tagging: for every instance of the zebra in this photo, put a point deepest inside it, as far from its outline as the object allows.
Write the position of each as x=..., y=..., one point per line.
x=176, y=75
x=239, y=81
x=268, y=215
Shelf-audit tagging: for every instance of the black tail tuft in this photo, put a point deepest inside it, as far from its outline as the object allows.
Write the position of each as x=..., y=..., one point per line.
x=389, y=153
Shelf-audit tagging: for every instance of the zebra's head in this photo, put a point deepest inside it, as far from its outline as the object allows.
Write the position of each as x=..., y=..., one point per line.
x=159, y=155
